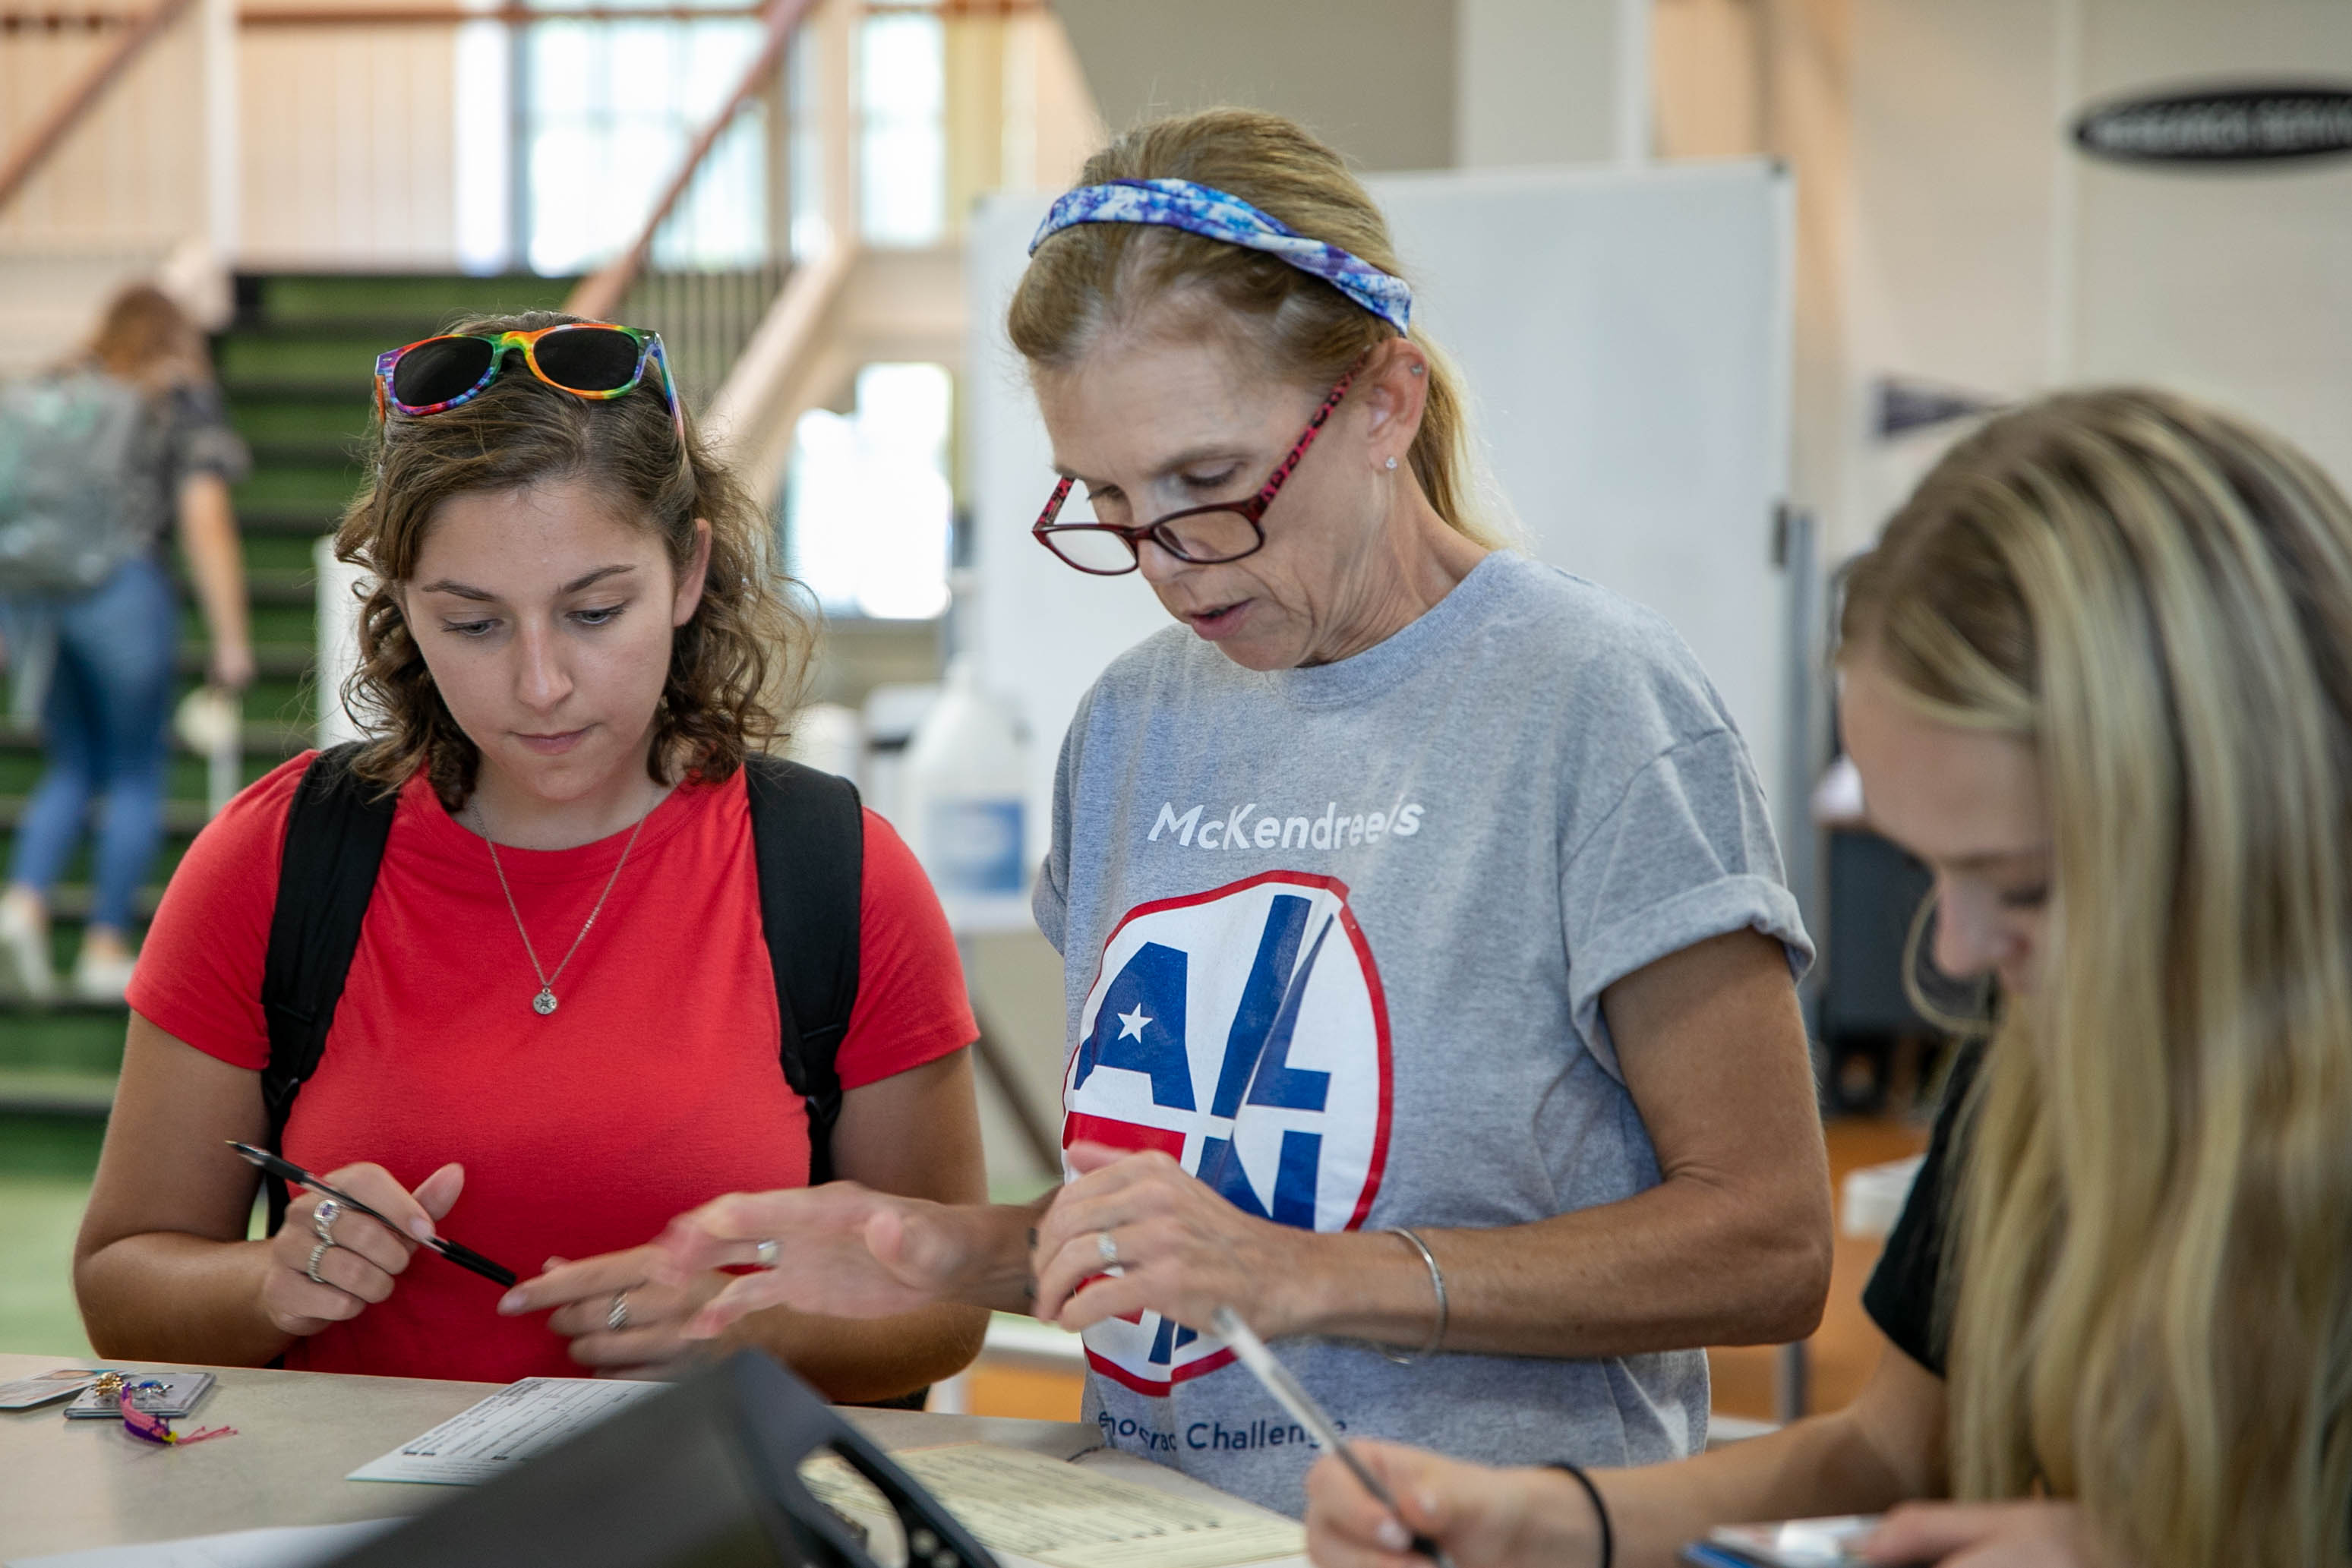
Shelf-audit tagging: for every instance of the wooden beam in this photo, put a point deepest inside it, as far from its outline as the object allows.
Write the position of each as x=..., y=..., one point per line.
x=65, y=21
x=451, y=16
x=27, y=158
x=55, y=19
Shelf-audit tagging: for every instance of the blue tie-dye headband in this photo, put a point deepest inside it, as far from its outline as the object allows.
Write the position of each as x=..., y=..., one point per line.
x=1213, y=214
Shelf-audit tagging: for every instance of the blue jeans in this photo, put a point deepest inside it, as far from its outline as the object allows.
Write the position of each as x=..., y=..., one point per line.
x=104, y=725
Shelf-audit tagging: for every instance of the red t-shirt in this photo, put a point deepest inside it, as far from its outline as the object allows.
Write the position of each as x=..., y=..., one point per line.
x=654, y=1087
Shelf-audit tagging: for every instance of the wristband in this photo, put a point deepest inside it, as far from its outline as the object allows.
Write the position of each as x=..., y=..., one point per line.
x=1600, y=1508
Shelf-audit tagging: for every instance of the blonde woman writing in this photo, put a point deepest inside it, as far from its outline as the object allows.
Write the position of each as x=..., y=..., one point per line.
x=2098, y=676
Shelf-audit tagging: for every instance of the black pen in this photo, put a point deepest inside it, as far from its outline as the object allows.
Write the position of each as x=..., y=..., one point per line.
x=287, y=1170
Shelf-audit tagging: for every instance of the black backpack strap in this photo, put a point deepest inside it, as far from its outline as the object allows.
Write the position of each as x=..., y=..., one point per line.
x=808, y=838
x=335, y=833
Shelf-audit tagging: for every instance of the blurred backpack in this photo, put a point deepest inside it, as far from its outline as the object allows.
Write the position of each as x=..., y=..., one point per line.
x=70, y=445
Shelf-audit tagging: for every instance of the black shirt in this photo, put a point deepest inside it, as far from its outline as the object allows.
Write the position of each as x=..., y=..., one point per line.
x=1902, y=1293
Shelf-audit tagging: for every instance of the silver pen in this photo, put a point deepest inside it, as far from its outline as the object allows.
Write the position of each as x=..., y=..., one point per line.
x=1294, y=1398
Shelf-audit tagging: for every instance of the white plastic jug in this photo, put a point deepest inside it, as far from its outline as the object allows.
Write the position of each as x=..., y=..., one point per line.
x=963, y=798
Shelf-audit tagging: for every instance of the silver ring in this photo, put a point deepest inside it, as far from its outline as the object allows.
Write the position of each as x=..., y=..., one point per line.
x=618, y=1318
x=323, y=1218
x=766, y=1253
x=1109, y=1247
x=320, y=1251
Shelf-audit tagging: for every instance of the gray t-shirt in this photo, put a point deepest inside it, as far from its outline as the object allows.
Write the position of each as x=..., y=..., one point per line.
x=1440, y=853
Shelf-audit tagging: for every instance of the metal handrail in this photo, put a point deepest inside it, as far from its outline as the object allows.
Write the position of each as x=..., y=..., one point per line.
x=600, y=294
x=24, y=162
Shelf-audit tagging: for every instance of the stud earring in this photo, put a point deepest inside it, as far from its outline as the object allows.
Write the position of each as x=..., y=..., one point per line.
x=1392, y=462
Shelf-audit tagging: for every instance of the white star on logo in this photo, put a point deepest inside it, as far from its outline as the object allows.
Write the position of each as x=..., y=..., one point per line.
x=1130, y=1024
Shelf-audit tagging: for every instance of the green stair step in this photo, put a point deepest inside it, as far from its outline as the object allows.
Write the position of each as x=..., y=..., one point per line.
x=69, y=902
x=278, y=662
x=323, y=490
x=281, y=739
x=333, y=450
x=180, y=816
x=277, y=552
x=56, y=1092
x=185, y=776
x=354, y=396
x=332, y=299
x=302, y=421
x=284, y=623
x=275, y=520
x=279, y=587
x=309, y=360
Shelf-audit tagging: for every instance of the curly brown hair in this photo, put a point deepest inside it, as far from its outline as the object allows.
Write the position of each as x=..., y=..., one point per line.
x=736, y=667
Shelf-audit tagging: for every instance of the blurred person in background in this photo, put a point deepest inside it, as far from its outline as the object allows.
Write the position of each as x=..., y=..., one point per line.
x=97, y=633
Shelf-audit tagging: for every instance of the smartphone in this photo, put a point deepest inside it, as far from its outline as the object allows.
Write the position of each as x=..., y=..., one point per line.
x=1783, y=1544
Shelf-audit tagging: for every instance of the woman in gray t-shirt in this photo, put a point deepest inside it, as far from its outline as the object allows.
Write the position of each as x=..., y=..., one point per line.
x=1429, y=967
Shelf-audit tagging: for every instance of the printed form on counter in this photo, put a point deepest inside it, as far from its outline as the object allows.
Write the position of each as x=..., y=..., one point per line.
x=520, y=1421
x=1026, y=1505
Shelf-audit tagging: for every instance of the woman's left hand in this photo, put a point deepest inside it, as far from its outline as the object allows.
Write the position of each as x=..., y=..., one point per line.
x=2027, y=1534
x=1182, y=1251
x=588, y=1295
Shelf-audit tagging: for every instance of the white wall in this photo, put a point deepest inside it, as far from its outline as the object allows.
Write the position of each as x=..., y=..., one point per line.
x=1550, y=81
x=1987, y=253
x=349, y=156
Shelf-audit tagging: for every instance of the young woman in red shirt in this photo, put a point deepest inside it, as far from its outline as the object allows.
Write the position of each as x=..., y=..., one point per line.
x=560, y=1027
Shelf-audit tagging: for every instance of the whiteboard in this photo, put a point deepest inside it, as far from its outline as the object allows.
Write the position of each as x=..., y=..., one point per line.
x=1625, y=338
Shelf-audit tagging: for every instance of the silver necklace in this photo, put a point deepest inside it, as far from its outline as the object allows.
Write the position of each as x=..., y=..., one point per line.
x=544, y=1003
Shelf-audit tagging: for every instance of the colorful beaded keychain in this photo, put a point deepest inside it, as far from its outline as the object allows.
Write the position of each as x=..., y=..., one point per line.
x=144, y=1424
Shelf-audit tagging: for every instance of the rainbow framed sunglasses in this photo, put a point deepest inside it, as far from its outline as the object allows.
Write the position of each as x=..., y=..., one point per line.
x=594, y=359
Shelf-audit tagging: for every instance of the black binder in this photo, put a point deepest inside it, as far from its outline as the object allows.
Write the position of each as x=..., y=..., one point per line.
x=702, y=1475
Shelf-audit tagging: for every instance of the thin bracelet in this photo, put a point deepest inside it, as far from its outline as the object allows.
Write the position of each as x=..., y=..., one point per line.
x=1600, y=1510
x=1436, y=1284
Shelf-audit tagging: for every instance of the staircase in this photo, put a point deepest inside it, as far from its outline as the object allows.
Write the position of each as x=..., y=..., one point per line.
x=295, y=365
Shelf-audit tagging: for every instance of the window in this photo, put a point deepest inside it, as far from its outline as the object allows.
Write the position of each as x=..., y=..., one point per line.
x=867, y=506
x=613, y=106
x=902, y=100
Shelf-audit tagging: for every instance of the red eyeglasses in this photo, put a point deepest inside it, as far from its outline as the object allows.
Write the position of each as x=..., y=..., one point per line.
x=1205, y=536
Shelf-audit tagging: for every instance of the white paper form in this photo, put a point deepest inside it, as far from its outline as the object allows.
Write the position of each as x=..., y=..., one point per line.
x=519, y=1422
x=1049, y=1511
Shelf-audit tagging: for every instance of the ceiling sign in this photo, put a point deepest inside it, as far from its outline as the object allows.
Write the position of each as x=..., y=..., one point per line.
x=2239, y=124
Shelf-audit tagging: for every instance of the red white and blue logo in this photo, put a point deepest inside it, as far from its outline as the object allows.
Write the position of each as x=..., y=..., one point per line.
x=1244, y=1033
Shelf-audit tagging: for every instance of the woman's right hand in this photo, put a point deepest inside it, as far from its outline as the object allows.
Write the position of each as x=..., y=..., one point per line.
x=367, y=1257
x=1483, y=1518
x=842, y=1250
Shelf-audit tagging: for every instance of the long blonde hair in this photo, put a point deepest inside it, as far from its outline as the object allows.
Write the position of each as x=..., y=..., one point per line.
x=2154, y=1235
x=1304, y=331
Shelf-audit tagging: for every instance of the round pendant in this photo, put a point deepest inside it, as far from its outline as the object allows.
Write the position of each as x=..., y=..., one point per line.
x=543, y=1003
